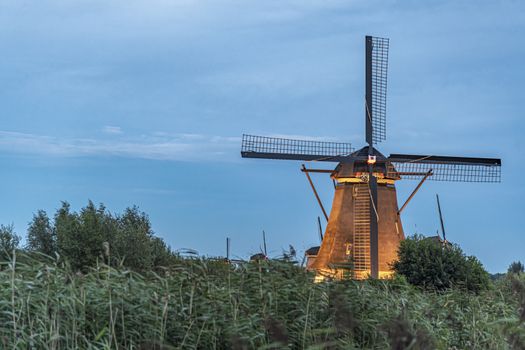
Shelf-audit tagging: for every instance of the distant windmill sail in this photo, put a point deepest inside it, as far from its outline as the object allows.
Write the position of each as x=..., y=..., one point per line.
x=441, y=219
x=264, y=244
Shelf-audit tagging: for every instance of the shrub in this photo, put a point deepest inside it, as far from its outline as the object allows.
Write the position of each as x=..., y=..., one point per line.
x=516, y=267
x=433, y=265
x=9, y=241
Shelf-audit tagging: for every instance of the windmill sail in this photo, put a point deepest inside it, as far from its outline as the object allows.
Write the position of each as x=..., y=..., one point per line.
x=441, y=219
x=290, y=149
x=445, y=168
x=375, y=88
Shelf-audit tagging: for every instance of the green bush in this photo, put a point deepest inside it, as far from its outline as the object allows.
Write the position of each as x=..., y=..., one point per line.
x=431, y=264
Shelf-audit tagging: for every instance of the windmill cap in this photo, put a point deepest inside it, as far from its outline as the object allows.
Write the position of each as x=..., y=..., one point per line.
x=363, y=153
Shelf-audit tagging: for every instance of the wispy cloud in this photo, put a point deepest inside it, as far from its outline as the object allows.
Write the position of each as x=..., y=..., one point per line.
x=158, y=146
x=115, y=130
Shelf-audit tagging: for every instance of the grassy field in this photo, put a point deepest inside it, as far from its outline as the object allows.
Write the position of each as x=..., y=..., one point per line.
x=210, y=304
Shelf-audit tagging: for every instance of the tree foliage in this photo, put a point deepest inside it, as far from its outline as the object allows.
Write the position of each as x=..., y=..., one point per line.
x=430, y=264
x=93, y=234
x=133, y=242
x=516, y=267
x=41, y=236
x=9, y=241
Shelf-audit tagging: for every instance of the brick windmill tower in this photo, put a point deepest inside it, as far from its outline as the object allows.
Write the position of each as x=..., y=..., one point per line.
x=364, y=226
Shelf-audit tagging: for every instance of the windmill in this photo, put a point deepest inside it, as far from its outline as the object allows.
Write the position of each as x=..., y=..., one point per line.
x=364, y=225
x=263, y=255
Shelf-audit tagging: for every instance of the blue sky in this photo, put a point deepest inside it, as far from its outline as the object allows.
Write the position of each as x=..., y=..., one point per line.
x=144, y=102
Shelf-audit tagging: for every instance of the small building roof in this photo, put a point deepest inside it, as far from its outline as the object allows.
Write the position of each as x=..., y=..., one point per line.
x=312, y=251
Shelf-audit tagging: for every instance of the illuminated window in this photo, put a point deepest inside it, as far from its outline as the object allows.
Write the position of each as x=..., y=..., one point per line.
x=348, y=248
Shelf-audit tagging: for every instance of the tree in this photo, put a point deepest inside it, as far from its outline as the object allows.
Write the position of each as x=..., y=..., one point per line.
x=432, y=265
x=81, y=236
x=94, y=234
x=41, y=237
x=161, y=254
x=516, y=267
x=9, y=241
x=133, y=240
x=66, y=227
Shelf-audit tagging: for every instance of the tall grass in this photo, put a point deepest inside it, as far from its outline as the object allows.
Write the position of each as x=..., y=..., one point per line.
x=209, y=304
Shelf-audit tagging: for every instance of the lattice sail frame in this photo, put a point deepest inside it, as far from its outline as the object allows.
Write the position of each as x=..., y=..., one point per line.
x=379, y=84
x=282, y=148
x=454, y=172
